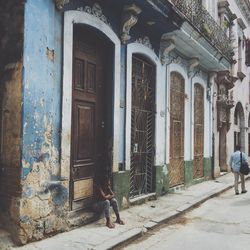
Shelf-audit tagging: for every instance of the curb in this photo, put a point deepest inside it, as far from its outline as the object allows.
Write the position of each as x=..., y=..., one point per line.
x=152, y=224
x=126, y=237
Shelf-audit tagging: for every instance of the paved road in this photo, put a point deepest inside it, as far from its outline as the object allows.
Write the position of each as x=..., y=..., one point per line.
x=220, y=223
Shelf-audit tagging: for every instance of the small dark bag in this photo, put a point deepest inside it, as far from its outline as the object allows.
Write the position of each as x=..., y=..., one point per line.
x=244, y=168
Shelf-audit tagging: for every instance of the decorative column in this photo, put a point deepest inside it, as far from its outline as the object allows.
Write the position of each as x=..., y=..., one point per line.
x=225, y=82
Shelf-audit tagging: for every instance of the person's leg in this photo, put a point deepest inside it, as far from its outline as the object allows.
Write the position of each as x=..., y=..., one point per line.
x=114, y=204
x=236, y=183
x=105, y=205
x=243, y=187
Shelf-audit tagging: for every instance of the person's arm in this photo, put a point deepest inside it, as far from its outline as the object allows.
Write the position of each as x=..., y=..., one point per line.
x=105, y=196
x=111, y=192
x=230, y=162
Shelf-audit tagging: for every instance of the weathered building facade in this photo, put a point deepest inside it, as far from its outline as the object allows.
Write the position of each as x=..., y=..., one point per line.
x=123, y=88
x=231, y=92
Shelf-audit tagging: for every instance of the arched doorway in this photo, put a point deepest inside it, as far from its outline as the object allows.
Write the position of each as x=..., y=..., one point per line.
x=198, y=130
x=177, y=112
x=92, y=121
x=239, y=127
x=142, y=126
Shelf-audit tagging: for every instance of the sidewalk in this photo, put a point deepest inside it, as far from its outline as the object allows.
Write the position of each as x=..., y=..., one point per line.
x=138, y=219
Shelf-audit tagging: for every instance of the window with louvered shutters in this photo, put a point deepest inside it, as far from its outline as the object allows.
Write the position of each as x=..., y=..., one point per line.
x=248, y=52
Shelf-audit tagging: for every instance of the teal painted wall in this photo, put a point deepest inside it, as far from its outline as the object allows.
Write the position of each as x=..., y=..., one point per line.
x=121, y=188
x=189, y=172
x=161, y=182
x=207, y=168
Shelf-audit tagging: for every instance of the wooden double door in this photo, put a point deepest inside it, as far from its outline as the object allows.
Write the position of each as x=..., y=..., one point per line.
x=89, y=156
x=198, y=131
x=177, y=113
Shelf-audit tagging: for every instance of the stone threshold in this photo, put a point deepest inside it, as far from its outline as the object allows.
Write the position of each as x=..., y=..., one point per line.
x=142, y=199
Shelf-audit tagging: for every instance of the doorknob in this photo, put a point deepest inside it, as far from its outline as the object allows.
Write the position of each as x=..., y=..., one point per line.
x=102, y=124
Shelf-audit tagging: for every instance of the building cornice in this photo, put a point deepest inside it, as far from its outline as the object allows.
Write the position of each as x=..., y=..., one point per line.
x=244, y=6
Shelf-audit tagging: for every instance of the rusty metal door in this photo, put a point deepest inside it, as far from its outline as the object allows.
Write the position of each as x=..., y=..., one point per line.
x=177, y=108
x=87, y=143
x=198, y=131
x=142, y=127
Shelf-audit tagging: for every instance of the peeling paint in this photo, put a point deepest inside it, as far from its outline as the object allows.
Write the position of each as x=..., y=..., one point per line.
x=42, y=102
x=165, y=169
x=25, y=164
x=125, y=203
x=50, y=54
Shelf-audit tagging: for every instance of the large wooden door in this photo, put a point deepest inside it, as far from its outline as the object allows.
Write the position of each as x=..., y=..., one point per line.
x=198, y=131
x=88, y=121
x=177, y=107
x=142, y=127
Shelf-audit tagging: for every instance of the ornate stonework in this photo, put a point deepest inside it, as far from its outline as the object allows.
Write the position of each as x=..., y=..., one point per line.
x=145, y=41
x=60, y=3
x=96, y=11
x=178, y=60
x=193, y=63
x=244, y=6
x=225, y=82
x=167, y=45
x=129, y=19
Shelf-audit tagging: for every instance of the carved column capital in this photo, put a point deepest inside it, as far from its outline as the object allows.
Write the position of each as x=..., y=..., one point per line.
x=224, y=77
x=222, y=6
x=60, y=3
x=225, y=82
x=129, y=19
x=166, y=46
x=193, y=63
x=212, y=77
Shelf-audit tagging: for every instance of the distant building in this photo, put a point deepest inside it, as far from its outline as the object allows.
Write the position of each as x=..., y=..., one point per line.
x=231, y=101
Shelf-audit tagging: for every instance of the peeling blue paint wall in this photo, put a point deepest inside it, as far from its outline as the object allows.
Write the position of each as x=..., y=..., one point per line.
x=41, y=84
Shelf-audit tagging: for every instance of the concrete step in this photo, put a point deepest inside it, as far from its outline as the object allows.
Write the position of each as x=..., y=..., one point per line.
x=5, y=240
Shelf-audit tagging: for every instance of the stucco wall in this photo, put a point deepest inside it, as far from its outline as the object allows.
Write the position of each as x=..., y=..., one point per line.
x=42, y=192
x=241, y=90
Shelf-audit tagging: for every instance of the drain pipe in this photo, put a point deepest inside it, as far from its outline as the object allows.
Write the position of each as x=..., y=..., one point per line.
x=193, y=63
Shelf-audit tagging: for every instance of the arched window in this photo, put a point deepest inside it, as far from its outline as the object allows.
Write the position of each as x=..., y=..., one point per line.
x=236, y=118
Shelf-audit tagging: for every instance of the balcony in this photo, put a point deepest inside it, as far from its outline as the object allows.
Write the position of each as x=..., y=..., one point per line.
x=205, y=24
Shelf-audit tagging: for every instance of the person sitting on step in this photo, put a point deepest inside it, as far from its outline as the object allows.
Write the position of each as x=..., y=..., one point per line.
x=104, y=199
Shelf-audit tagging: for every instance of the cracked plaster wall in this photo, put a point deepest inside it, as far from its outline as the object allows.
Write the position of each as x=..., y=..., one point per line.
x=44, y=197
